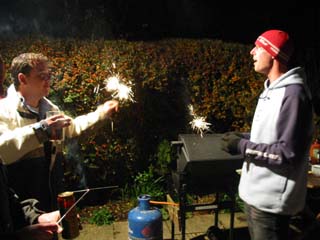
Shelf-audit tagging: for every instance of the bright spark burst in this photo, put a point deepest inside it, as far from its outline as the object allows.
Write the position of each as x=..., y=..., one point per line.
x=112, y=83
x=198, y=124
x=120, y=90
x=124, y=92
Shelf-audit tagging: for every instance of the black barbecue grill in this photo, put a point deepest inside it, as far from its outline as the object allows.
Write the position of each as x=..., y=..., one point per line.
x=202, y=167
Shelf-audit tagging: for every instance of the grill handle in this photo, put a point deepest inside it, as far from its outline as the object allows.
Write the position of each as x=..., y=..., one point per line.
x=178, y=145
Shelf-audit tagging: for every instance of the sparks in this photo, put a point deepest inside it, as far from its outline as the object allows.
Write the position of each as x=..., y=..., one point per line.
x=116, y=84
x=124, y=93
x=112, y=83
x=96, y=89
x=121, y=91
x=198, y=124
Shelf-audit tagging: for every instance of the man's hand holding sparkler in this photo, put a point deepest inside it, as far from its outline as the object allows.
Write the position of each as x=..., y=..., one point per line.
x=110, y=106
x=49, y=217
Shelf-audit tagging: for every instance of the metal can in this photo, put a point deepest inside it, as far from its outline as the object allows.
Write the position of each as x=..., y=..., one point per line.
x=70, y=222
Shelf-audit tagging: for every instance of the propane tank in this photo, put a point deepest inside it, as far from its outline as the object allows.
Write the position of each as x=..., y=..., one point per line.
x=315, y=152
x=145, y=222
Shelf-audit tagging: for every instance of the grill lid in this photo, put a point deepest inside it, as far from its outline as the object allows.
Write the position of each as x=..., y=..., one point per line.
x=204, y=154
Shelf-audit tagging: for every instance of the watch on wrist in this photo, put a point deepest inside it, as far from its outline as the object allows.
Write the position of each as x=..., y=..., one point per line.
x=41, y=130
x=44, y=125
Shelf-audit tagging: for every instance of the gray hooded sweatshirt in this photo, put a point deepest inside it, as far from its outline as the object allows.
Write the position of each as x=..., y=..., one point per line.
x=274, y=173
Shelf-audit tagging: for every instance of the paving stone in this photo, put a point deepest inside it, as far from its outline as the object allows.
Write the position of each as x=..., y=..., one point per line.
x=91, y=231
x=120, y=230
x=196, y=228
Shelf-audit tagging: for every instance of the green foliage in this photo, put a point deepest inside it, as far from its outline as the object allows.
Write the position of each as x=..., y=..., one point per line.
x=217, y=78
x=163, y=158
x=108, y=161
x=165, y=214
x=101, y=217
x=239, y=202
x=145, y=183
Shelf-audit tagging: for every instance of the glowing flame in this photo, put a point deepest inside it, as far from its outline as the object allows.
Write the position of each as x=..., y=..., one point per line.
x=112, y=83
x=121, y=91
x=124, y=92
x=198, y=124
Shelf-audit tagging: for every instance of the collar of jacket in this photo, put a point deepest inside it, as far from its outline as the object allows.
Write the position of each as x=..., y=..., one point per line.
x=18, y=102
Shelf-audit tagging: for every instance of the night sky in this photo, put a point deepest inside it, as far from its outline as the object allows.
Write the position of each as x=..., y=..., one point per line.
x=154, y=19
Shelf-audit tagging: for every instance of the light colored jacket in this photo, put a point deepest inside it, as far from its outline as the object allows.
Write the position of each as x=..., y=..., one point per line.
x=17, y=136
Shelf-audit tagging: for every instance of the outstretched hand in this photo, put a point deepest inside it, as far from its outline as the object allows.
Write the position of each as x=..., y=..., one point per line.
x=230, y=142
x=110, y=106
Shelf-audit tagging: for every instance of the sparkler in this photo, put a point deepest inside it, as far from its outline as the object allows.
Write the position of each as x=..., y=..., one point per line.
x=96, y=89
x=115, y=84
x=112, y=83
x=86, y=191
x=93, y=189
x=122, y=91
x=198, y=124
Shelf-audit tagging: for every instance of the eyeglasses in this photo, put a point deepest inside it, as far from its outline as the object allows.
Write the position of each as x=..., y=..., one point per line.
x=44, y=76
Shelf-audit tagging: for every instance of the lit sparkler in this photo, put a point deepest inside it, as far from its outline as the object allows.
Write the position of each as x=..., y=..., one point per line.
x=112, y=83
x=120, y=90
x=198, y=123
x=86, y=191
x=124, y=92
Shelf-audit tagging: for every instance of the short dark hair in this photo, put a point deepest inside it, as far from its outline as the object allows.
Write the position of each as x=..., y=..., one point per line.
x=24, y=63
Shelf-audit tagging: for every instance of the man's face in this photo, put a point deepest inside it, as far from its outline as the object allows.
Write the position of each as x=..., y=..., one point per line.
x=263, y=61
x=38, y=81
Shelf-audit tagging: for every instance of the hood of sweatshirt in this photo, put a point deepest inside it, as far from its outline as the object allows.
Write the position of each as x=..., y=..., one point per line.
x=293, y=76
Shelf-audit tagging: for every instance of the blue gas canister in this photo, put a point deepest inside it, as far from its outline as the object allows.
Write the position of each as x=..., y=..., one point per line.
x=145, y=222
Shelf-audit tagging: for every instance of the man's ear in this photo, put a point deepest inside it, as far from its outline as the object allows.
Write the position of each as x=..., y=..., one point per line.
x=22, y=79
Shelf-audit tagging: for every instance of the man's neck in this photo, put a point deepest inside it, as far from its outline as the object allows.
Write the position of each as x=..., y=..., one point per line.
x=30, y=100
x=277, y=71
x=33, y=103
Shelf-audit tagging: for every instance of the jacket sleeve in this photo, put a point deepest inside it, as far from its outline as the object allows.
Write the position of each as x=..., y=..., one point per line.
x=23, y=213
x=30, y=210
x=15, y=143
x=85, y=122
x=294, y=132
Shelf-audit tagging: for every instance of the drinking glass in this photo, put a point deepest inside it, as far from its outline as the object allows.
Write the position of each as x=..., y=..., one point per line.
x=56, y=134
